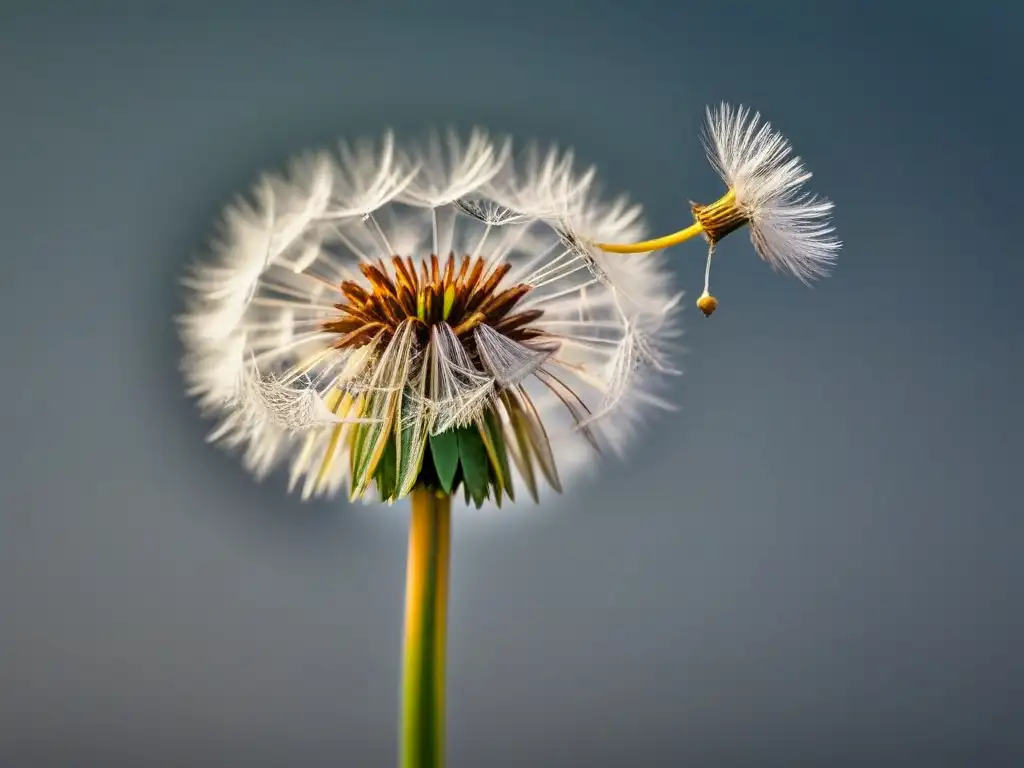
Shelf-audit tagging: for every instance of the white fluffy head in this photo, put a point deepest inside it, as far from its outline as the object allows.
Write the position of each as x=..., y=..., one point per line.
x=789, y=227
x=258, y=358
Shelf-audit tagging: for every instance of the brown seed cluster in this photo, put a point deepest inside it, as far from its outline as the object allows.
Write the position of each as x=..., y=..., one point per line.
x=462, y=293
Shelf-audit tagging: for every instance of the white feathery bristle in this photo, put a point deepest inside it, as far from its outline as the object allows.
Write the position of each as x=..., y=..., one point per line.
x=508, y=362
x=456, y=390
x=296, y=409
x=450, y=169
x=789, y=227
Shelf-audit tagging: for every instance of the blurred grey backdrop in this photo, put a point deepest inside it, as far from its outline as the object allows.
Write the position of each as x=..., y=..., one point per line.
x=816, y=562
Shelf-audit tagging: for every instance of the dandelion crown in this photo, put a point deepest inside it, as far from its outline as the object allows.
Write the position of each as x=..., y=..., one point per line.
x=459, y=313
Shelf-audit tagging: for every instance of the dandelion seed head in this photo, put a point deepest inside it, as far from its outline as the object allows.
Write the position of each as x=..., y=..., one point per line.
x=367, y=316
x=789, y=227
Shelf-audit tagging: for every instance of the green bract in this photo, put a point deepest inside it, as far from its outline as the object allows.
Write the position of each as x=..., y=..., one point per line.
x=400, y=455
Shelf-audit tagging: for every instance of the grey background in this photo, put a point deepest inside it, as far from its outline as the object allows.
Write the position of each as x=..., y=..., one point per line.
x=817, y=561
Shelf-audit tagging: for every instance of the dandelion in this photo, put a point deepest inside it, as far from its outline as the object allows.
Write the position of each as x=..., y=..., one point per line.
x=789, y=227
x=423, y=322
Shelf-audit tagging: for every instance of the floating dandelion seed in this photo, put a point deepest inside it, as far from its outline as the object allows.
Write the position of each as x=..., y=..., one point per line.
x=422, y=322
x=789, y=228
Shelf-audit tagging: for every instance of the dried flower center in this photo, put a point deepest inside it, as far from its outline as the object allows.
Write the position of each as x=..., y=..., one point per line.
x=462, y=294
x=449, y=424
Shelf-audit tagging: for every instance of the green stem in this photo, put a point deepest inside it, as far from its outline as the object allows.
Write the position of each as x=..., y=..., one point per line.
x=426, y=610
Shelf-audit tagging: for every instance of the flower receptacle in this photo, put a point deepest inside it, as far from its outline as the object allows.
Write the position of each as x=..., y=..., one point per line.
x=719, y=218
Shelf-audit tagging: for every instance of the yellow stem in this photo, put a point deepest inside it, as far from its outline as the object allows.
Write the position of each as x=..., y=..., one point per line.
x=653, y=245
x=426, y=610
x=714, y=221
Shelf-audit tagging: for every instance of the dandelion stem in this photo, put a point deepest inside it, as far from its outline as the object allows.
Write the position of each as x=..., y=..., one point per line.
x=658, y=243
x=426, y=609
